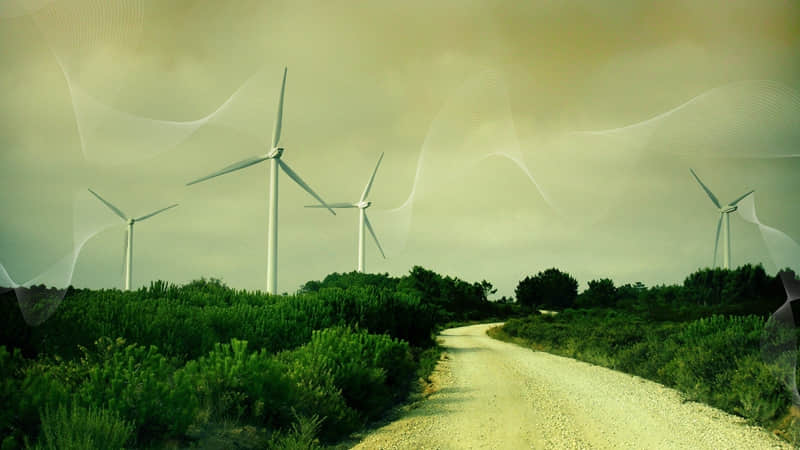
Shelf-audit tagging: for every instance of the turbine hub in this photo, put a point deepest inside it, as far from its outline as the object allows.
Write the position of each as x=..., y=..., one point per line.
x=275, y=152
x=363, y=205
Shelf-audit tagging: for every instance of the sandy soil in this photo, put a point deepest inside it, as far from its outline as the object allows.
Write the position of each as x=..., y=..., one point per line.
x=494, y=395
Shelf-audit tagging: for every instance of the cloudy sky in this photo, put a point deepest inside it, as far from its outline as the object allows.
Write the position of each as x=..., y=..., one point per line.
x=518, y=136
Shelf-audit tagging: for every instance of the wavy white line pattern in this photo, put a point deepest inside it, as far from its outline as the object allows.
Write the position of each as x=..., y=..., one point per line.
x=89, y=219
x=761, y=115
x=77, y=30
x=473, y=124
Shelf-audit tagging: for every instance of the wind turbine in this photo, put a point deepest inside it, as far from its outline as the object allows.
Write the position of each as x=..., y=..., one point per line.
x=724, y=212
x=129, y=234
x=362, y=204
x=274, y=155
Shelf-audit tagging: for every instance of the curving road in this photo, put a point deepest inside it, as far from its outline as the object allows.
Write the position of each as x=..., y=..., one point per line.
x=495, y=395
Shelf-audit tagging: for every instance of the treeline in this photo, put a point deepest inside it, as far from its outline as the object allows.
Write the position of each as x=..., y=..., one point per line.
x=745, y=290
x=154, y=364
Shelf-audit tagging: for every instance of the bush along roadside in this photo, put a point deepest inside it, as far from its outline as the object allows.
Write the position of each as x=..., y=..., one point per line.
x=715, y=360
x=167, y=366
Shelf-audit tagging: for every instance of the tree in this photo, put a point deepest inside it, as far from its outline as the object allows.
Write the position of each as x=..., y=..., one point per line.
x=601, y=293
x=487, y=289
x=549, y=289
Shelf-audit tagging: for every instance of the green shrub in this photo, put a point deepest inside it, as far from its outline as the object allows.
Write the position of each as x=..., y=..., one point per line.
x=317, y=394
x=301, y=436
x=707, y=353
x=240, y=385
x=140, y=384
x=25, y=389
x=552, y=289
x=364, y=366
x=760, y=395
x=10, y=368
x=82, y=428
x=366, y=371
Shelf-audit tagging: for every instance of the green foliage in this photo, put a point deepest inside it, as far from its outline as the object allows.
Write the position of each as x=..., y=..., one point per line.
x=301, y=436
x=83, y=428
x=368, y=370
x=167, y=357
x=349, y=280
x=238, y=385
x=720, y=286
x=759, y=394
x=601, y=293
x=25, y=389
x=427, y=360
x=140, y=384
x=450, y=299
x=706, y=352
x=550, y=289
x=10, y=366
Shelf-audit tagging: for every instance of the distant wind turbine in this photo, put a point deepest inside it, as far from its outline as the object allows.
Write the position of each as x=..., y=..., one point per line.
x=274, y=155
x=362, y=204
x=723, y=212
x=129, y=238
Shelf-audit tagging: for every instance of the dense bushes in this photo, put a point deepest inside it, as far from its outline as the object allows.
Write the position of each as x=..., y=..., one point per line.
x=742, y=291
x=551, y=289
x=366, y=370
x=140, y=384
x=239, y=385
x=186, y=321
x=152, y=364
x=601, y=293
x=343, y=375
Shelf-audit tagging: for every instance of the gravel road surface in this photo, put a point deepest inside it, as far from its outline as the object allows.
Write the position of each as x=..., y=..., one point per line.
x=494, y=395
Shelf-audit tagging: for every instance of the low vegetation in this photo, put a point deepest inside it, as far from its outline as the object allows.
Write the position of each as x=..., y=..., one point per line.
x=203, y=365
x=164, y=366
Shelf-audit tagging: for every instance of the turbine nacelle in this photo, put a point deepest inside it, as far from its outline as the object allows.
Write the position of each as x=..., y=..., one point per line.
x=728, y=209
x=275, y=153
x=363, y=205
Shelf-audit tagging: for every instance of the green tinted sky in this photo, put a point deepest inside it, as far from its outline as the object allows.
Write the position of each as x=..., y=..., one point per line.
x=455, y=81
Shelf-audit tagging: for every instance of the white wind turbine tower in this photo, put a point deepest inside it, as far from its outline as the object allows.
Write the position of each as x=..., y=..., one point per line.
x=129, y=238
x=274, y=155
x=362, y=204
x=724, y=212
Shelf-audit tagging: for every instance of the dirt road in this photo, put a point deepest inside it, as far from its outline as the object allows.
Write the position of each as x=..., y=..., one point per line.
x=496, y=395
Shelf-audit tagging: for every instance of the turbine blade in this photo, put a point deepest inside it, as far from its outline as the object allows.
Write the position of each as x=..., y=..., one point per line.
x=716, y=241
x=276, y=132
x=333, y=205
x=235, y=166
x=372, y=178
x=112, y=207
x=303, y=184
x=705, y=188
x=147, y=216
x=372, y=232
x=733, y=203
